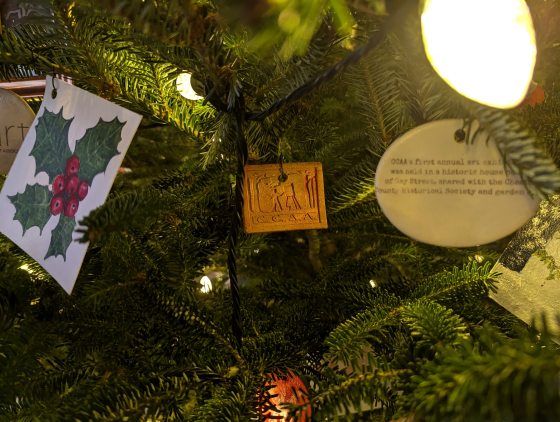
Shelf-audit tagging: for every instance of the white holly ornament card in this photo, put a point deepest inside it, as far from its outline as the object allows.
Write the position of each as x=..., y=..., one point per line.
x=529, y=269
x=64, y=169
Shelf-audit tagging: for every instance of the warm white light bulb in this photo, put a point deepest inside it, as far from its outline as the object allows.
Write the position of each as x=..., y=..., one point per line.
x=25, y=267
x=206, y=284
x=484, y=49
x=185, y=88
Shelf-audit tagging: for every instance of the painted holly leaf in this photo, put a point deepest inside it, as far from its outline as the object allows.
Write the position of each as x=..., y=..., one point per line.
x=51, y=150
x=32, y=207
x=61, y=237
x=97, y=147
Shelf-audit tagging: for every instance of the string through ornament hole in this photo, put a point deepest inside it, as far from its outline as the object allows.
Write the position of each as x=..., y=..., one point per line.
x=283, y=176
x=460, y=135
x=53, y=92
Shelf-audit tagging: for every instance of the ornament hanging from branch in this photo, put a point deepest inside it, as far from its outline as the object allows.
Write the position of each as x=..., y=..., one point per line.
x=529, y=269
x=282, y=198
x=64, y=169
x=446, y=192
x=281, y=392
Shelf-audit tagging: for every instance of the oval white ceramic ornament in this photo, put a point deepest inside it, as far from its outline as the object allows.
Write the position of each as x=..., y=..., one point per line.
x=447, y=193
x=15, y=119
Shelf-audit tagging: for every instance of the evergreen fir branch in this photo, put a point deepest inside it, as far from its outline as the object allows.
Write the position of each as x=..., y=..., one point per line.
x=154, y=93
x=379, y=86
x=427, y=96
x=170, y=398
x=293, y=40
x=294, y=72
x=356, y=186
x=172, y=22
x=183, y=312
x=350, y=339
x=115, y=215
x=54, y=387
x=522, y=152
x=354, y=394
x=236, y=401
x=13, y=53
x=107, y=291
x=431, y=325
x=138, y=340
x=103, y=54
x=453, y=287
x=359, y=215
x=506, y=380
x=542, y=118
x=271, y=352
x=219, y=143
x=337, y=148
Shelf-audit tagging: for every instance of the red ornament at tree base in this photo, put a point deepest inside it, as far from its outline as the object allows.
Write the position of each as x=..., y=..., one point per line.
x=281, y=391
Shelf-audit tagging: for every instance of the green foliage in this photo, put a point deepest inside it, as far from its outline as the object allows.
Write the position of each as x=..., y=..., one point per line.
x=377, y=325
x=523, y=153
x=431, y=324
x=97, y=147
x=293, y=23
x=33, y=207
x=51, y=150
x=496, y=379
x=61, y=237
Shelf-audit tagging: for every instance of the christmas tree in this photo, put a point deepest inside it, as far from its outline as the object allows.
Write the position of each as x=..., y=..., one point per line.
x=178, y=314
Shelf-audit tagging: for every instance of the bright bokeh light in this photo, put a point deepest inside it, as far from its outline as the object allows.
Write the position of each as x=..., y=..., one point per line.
x=484, y=49
x=26, y=268
x=185, y=88
x=206, y=284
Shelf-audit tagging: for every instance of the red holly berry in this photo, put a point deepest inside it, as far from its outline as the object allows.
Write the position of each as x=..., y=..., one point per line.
x=83, y=189
x=57, y=204
x=72, y=165
x=71, y=206
x=72, y=183
x=58, y=184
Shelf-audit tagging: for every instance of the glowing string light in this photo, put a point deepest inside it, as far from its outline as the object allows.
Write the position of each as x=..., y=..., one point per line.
x=206, y=284
x=484, y=49
x=185, y=88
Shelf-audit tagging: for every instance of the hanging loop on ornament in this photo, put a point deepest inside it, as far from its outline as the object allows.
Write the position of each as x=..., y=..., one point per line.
x=283, y=176
x=461, y=136
x=53, y=92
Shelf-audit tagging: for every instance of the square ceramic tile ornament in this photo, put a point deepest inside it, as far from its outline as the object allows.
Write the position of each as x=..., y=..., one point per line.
x=64, y=169
x=292, y=201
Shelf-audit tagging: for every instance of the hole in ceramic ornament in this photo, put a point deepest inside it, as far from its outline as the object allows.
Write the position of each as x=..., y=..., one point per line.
x=460, y=135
